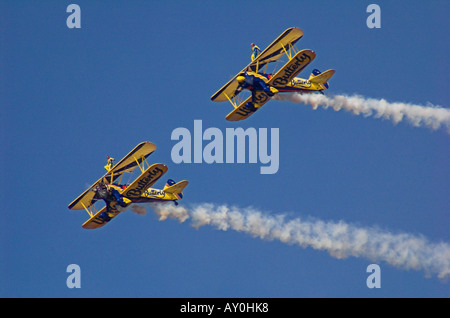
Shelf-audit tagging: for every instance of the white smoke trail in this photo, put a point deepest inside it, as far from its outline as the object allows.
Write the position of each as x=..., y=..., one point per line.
x=340, y=239
x=165, y=211
x=138, y=209
x=430, y=116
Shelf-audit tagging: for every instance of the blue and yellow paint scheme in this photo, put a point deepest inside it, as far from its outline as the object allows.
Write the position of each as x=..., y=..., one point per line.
x=281, y=81
x=118, y=196
x=311, y=85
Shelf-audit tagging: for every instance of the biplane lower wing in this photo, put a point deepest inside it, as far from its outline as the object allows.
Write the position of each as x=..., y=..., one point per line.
x=244, y=110
x=272, y=53
x=134, y=158
x=100, y=218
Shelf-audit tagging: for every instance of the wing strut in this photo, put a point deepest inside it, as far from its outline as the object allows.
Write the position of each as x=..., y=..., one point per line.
x=235, y=101
x=143, y=160
x=88, y=210
x=232, y=103
x=292, y=50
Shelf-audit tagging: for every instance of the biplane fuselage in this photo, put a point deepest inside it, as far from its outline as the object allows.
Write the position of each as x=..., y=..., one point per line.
x=297, y=84
x=303, y=86
x=149, y=195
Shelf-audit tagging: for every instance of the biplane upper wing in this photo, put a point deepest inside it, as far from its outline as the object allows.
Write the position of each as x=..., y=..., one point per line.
x=127, y=164
x=272, y=53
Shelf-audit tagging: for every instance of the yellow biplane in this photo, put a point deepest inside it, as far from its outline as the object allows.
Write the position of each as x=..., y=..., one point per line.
x=263, y=85
x=118, y=196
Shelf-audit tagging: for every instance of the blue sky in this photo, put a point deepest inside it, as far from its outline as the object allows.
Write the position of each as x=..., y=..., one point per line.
x=137, y=70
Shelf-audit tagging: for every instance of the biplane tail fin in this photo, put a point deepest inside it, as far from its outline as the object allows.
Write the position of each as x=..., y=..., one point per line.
x=175, y=188
x=321, y=77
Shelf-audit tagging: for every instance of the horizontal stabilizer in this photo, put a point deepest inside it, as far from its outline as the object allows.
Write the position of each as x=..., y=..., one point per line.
x=322, y=78
x=177, y=187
